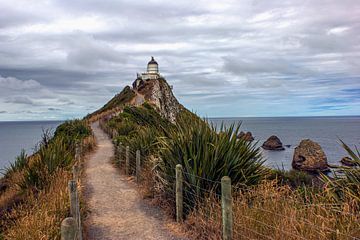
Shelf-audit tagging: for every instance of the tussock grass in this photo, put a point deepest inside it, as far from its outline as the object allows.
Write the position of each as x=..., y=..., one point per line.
x=40, y=216
x=269, y=211
x=37, y=200
x=266, y=204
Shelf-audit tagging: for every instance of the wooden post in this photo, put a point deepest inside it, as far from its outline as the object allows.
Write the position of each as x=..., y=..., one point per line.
x=119, y=153
x=179, y=193
x=77, y=152
x=78, y=217
x=68, y=229
x=226, y=208
x=73, y=198
x=127, y=161
x=75, y=172
x=138, y=166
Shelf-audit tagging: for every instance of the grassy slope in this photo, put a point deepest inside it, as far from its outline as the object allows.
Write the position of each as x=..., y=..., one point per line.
x=36, y=199
x=283, y=205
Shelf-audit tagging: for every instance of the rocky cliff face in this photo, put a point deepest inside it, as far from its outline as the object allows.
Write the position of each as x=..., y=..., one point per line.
x=158, y=93
x=154, y=91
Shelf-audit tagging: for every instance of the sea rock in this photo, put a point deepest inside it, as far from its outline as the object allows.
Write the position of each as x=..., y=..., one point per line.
x=310, y=157
x=246, y=136
x=273, y=143
x=348, y=162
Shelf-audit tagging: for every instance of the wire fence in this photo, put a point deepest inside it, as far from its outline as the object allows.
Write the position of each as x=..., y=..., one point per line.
x=71, y=227
x=216, y=209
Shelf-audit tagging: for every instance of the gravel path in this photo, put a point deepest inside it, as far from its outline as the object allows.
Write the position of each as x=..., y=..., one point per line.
x=116, y=210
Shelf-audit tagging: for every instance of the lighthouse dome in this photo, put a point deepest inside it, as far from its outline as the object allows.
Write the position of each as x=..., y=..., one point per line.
x=152, y=66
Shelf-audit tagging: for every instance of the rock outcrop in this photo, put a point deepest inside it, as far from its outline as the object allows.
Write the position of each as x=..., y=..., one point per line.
x=246, y=136
x=348, y=162
x=273, y=143
x=159, y=93
x=310, y=157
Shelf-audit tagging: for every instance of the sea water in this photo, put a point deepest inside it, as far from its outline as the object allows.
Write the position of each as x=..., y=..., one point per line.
x=327, y=131
x=15, y=136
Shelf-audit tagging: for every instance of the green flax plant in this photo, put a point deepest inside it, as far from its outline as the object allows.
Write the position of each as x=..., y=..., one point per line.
x=207, y=156
x=345, y=185
x=48, y=160
x=19, y=164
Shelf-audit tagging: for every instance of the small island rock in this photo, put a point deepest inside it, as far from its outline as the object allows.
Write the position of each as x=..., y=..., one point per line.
x=246, y=136
x=273, y=143
x=309, y=156
x=347, y=162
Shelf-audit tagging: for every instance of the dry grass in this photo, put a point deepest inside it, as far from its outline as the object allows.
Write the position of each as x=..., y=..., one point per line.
x=41, y=215
x=30, y=213
x=268, y=211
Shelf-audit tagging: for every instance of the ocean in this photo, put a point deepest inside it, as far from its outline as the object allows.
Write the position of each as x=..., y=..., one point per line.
x=327, y=131
x=15, y=136
x=291, y=130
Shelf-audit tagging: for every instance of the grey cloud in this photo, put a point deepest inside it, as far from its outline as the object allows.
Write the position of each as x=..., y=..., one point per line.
x=78, y=54
x=53, y=109
x=20, y=100
x=240, y=66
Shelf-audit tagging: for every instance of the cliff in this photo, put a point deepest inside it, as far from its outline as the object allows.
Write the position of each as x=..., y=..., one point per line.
x=159, y=93
x=154, y=91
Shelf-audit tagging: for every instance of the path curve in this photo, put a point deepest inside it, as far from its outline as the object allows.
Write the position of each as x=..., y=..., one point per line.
x=116, y=210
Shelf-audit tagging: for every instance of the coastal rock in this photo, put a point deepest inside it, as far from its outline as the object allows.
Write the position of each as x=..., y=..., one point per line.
x=159, y=93
x=273, y=143
x=309, y=156
x=348, y=162
x=246, y=136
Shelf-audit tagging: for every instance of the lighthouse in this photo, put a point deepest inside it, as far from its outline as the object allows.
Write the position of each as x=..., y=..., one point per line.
x=152, y=73
x=152, y=67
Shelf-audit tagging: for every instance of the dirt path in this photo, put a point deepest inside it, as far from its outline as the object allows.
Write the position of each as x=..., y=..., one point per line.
x=117, y=211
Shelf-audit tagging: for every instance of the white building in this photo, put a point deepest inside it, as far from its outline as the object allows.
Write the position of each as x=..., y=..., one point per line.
x=151, y=73
x=152, y=70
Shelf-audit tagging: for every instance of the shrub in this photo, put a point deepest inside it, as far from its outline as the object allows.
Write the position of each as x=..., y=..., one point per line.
x=205, y=154
x=346, y=181
x=292, y=178
x=19, y=164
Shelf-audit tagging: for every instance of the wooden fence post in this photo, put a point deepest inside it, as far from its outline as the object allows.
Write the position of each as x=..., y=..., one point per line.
x=77, y=152
x=119, y=153
x=226, y=208
x=78, y=217
x=75, y=172
x=73, y=197
x=179, y=193
x=68, y=229
x=127, y=160
x=138, y=168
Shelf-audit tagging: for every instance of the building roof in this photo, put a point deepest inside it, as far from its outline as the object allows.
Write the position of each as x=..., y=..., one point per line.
x=152, y=61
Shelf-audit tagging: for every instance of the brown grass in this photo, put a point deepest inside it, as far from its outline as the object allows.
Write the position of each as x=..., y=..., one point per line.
x=32, y=214
x=272, y=212
x=41, y=215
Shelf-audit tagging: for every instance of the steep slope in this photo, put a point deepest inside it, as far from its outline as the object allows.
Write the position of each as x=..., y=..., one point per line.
x=154, y=91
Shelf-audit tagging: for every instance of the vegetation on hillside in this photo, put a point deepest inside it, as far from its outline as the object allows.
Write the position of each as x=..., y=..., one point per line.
x=35, y=199
x=268, y=204
x=119, y=100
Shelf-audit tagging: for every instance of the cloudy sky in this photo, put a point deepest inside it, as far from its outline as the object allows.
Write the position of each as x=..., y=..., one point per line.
x=63, y=59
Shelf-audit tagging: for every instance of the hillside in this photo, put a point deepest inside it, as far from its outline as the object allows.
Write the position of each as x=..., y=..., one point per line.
x=156, y=92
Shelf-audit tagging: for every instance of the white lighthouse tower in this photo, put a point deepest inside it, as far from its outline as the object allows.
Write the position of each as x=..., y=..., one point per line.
x=152, y=67
x=151, y=73
x=152, y=70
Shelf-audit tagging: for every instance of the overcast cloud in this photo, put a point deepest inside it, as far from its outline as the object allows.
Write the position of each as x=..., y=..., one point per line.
x=63, y=59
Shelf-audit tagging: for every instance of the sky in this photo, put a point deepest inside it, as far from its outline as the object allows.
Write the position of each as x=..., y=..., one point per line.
x=62, y=59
